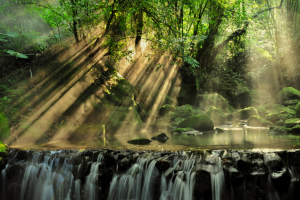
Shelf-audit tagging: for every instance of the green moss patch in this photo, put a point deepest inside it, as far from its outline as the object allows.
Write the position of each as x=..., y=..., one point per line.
x=297, y=110
x=257, y=121
x=200, y=122
x=288, y=93
x=272, y=117
x=262, y=112
x=279, y=123
x=246, y=113
x=4, y=127
x=290, y=123
x=187, y=111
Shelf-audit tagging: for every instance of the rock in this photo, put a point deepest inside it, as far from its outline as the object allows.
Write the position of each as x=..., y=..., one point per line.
x=279, y=123
x=165, y=109
x=246, y=113
x=288, y=93
x=262, y=112
x=163, y=164
x=217, y=115
x=295, y=130
x=291, y=102
x=160, y=137
x=272, y=117
x=198, y=122
x=168, y=174
x=4, y=127
x=257, y=121
x=290, y=123
x=278, y=129
x=139, y=141
x=202, y=186
x=123, y=164
x=297, y=110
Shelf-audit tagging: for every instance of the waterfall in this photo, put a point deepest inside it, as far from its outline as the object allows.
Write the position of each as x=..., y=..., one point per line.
x=70, y=175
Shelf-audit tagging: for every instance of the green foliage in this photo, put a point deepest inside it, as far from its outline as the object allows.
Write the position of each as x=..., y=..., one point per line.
x=288, y=93
x=4, y=127
x=297, y=110
x=257, y=121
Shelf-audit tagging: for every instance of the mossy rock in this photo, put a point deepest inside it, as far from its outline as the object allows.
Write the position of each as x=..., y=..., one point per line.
x=295, y=130
x=262, y=112
x=216, y=115
x=297, y=110
x=165, y=109
x=290, y=123
x=140, y=141
x=200, y=122
x=246, y=113
x=279, y=123
x=288, y=93
x=4, y=127
x=279, y=129
x=257, y=121
x=161, y=137
x=177, y=121
x=186, y=111
x=272, y=117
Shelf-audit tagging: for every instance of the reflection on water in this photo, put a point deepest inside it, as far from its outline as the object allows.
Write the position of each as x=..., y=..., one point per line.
x=238, y=138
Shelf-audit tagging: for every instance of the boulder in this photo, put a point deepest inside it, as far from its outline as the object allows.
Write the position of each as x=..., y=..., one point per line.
x=200, y=122
x=262, y=112
x=279, y=123
x=272, y=117
x=257, y=121
x=246, y=113
x=297, y=110
x=288, y=93
x=165, y=109
x=139, y=141
x=290, y=123
x=216, y=115
x=160, y=137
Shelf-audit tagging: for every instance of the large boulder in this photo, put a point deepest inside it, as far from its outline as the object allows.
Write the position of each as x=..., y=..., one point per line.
x=200, y=122
x=4, y=127
x=216, y=115
x=290, y=123
x=246, y=113
x=257, y=121
x=185, y=111
x=272, y=117
x=262, y=112
x=288, y=93
x=297, y=110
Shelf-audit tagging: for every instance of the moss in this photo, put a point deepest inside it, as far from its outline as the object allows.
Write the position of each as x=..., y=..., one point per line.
x=3, y=147
x=257, y=121
x=165, y=109
x=186, y=111
x=200, y=122
x=216, y=115
x=272, y=117
x=291, y=102
x=289, y=123
x=246, y=113
x=279, y=123
x=4, y=127
x=288, y=93
x=181, y=130
x=139, y=141
x=204, y=101
x=297, y=110
x=262, y=112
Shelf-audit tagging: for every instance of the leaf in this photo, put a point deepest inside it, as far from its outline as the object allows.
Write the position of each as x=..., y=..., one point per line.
x=12, y=34
x=18, y=55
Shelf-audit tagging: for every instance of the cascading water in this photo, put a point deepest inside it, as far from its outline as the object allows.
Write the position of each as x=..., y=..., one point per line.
x=129, y=175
